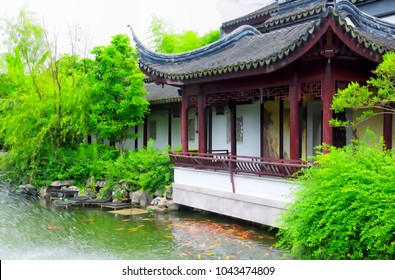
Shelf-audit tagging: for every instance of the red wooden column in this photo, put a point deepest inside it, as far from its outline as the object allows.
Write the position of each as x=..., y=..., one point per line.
x=328, y=90
x=184, y=122
x=233, y=140
x=202, y=122
x=294, y=119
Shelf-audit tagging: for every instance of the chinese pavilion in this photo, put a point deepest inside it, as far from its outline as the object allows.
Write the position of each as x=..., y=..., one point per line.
x=263, y=92
x=291, y=60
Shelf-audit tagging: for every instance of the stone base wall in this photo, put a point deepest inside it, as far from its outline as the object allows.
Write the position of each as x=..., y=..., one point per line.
x=256, y=199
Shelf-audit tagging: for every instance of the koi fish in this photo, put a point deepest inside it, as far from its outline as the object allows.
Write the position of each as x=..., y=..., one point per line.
x=88, y=220
x=52, y=227
x=214, y=246
x=120, y=228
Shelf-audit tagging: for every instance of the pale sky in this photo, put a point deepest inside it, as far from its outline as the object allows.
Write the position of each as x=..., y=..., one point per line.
x=99, y=20
x=102, y=19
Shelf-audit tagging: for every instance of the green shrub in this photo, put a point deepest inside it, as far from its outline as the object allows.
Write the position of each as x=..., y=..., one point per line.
x=148, y=169
x=344, y=206
x=87, y=161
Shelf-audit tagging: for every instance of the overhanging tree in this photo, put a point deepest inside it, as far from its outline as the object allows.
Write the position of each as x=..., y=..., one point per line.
x=118, y=90
x=376, y=97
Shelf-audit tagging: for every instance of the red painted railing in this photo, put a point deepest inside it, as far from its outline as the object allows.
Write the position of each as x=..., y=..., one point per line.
x=239, y=164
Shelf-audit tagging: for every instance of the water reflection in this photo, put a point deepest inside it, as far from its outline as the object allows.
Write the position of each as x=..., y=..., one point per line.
x=30, y=229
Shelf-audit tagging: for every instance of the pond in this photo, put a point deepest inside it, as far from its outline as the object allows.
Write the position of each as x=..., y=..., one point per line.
x=33, y=229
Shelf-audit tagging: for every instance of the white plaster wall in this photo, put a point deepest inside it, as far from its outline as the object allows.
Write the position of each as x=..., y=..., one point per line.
x=286, y=130
x=220, y=133
x=251, y=126
x=161, y=118
x=176, y=132
x=140, y=139
x=193, y=144
x=251, y=129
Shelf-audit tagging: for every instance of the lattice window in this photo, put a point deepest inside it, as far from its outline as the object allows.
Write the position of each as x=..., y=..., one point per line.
x=311, y=88
x=192, y=101
x=279, y=92
x=246, y=95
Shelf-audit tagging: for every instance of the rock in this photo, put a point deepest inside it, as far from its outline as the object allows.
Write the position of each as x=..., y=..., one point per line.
x=171, y=205
x=26, y=186
x=158, y=193
x=155, y=209
x=155, y=201
x=65, y=183
x=43, y=192
x=135, y=196
x=145, y=199
x=100, y=183
x=169, y=193
x=73, y=188
x=162, y=203
x=55, y=184
x=28, y=189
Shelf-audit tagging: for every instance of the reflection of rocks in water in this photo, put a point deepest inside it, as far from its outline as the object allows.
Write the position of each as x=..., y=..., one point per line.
x=28, y=189
x=31, y=230
x=3, y=194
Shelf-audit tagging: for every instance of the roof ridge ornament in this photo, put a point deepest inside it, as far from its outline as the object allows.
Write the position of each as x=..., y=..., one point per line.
x=330, y=4
x=288, y=6
x=228, y=40
x=364, y=21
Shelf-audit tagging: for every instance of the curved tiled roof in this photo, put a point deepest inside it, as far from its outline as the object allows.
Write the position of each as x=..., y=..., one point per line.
x=246, y=48
x=368, y=23
x=265, y=11
x=213, y=48
x=297, y=15
x=162, y=94
x=246, y=53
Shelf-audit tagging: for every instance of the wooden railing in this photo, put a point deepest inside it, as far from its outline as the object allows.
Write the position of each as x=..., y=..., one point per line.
x=239, y=164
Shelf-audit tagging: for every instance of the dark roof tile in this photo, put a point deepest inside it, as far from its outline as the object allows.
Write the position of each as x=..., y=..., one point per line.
x=267, y=10
x=161, y=94
x=248, y=52
x=246, y=48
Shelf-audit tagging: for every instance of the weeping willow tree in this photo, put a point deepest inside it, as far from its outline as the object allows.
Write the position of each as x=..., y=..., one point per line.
x=44, y=99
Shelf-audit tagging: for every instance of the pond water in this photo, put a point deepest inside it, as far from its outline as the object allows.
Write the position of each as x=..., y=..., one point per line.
x=32, y=229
